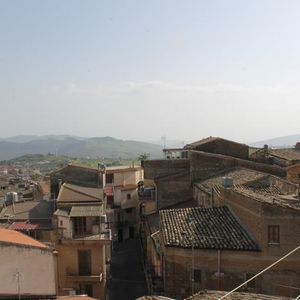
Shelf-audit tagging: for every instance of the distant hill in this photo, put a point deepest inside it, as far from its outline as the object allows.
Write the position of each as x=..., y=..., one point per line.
x=283, y=141
x=98, y=147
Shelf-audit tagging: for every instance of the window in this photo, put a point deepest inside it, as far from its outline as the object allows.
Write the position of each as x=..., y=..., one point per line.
x=129, y=210
x=128, y=196
x=79, y=225
x=61, y=223
x=273, y=234
x=197, y=275
x=110, y=201
x=84, y=262
x=250, y=284
x=109, y=178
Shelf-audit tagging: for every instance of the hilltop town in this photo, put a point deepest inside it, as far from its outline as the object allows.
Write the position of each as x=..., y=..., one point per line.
x=196, y=224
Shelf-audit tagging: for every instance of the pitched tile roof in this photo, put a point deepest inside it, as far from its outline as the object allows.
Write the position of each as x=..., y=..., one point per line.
x=290, y=154
x=30, y=226
x=28, y=210
x=215, y=295
x=63, y=212
x=239, y=175
x=86, y=211
x=257, y=185
x=18, y=238
x=209, y=228
x=209, y=140
x=74, y=193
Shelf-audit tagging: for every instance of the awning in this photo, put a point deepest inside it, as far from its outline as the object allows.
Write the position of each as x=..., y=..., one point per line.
x=86, y=211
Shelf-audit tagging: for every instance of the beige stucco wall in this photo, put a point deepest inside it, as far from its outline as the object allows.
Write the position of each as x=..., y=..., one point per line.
x=130, y=177
x=36, y=267
x=68, y=265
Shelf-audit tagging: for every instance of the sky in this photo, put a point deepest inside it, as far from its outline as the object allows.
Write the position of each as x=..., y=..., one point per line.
x=141, y=69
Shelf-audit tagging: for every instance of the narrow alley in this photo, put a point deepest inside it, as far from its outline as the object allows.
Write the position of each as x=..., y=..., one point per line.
x=127, y=276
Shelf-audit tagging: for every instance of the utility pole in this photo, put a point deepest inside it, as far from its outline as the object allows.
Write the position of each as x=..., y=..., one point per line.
x=193, y=264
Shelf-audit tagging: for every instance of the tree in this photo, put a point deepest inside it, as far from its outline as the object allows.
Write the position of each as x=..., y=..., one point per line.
x=144, y=156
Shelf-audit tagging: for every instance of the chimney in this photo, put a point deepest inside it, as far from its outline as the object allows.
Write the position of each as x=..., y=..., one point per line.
x=101, y=174
x=59, y=183
x=227, y=182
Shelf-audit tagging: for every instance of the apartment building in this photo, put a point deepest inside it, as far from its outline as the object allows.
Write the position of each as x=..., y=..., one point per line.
x=122, y=200
x=83, y=241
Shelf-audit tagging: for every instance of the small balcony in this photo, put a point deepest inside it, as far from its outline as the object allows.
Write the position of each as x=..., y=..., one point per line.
x=84, y=278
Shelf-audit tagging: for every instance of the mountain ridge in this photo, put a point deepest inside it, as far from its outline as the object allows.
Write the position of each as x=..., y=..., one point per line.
x=95, y=147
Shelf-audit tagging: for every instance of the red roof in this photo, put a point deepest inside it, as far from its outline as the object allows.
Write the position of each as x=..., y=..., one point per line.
x=15, y=237
x=28, y=226
x=22, y=226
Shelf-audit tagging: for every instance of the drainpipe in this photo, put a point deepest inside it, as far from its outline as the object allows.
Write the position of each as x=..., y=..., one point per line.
x=219, y=270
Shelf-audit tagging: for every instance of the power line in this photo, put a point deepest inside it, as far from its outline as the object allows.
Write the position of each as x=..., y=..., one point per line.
x=261, y=272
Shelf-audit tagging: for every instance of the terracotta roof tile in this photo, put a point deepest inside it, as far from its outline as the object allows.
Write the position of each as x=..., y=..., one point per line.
x=258, y=185
x=28, y=210
x=15, y=237
x=209, y=228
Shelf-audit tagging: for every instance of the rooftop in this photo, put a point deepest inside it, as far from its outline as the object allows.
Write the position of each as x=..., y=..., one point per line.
x=74, y=193
x=215, y=295
x=75, y=166
x=258, y=185
x=15, y=237
x=290, y=154
x=209, y=140
x=28, y=210
x=209, y=228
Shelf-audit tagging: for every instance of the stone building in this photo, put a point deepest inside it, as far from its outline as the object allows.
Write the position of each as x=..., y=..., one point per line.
x=203, y=248
x=269, y=207
x=77, y=175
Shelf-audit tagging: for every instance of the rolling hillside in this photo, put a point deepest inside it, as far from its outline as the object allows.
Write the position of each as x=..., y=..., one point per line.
x=98, y=147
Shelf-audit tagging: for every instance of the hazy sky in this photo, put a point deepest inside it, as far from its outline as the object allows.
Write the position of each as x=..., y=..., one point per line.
x=143, y=69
